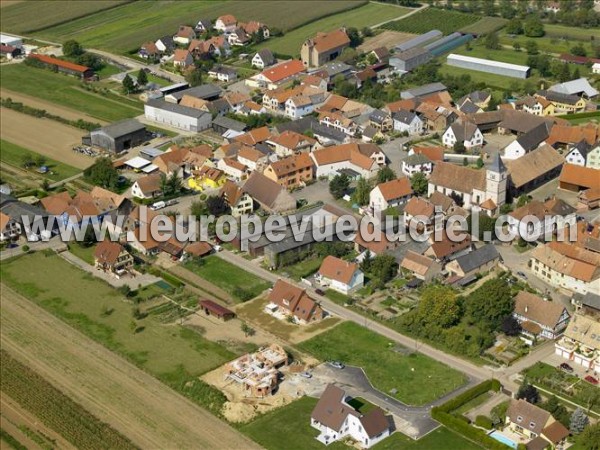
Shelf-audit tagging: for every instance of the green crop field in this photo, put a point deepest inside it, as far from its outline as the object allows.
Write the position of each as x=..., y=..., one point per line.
x=176, y=355
x=571, y=33
x=230, y=278
x=292, y=423
x=125, y=28
x=367, y=15
x=485, y=25
x=12, y=154
x=66, y=91
x=417, y=378
x=26, y=17
x=55, y=409
x=433, y=19
x=504, y=55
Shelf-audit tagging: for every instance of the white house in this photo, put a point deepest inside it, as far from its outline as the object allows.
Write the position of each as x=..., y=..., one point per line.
x=337, y=420
x=540, y=317
x=551, y=215
x=579, y=343
x=339, y=275
x=389, y=194
x=263, y=58
x=363, y=159
x=578, y=154
x=147, y=187
x=465, y=132
x=226, y=23
x=406, y=121
x=234, y=170
x=298, y=107
x=593, y=157
x=221, y=73
x=252, y=158
x=415, y=163
x=596, y=68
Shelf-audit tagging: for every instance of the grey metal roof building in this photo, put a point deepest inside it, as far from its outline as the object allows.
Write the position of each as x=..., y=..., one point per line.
x=119, y=136
x=435, y=44
x=478, y=258
x=410, y=59
x=177, y=116
x=204, y=91
x=419, y=40
x=489, y=66
x=426, y=89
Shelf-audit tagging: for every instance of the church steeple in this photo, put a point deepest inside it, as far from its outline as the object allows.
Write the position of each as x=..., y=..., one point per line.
x=497, y=165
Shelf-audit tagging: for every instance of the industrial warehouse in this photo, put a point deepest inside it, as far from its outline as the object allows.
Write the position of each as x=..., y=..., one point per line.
x=489, y=66
x=119, y=136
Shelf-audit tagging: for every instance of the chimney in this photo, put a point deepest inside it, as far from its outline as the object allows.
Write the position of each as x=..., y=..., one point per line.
x=526, y=308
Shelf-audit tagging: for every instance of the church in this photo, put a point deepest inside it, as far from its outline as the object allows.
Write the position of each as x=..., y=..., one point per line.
x=478, y=189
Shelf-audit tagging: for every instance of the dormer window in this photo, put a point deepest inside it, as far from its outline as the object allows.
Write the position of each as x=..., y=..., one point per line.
x=531, y=424
x=519, y=419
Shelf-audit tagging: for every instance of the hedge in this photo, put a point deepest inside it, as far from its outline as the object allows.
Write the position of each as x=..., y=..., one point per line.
x=443, y=415
x=484, y=422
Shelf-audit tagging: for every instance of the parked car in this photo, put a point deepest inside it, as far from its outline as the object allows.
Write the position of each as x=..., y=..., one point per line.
x=171, y=202
x=337, y=364
x=566, y=368
x=522, y=275
x=306, y=374
x=591, y=379
x=320, y=291
x=158, y=205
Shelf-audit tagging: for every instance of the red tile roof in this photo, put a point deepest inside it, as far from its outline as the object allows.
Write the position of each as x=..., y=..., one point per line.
x=283, y=70
x=60, y=63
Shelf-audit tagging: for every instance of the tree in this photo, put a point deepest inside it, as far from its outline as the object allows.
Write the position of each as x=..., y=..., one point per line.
x=490, y=304
x=531, y=47
x=247, y=329
x=459, y=147
x=194, y=77
x=533, y=27
x=589, y=439
x=579, y=420
x=102, y=173
x=339, y=185
x=419, y=183
x=579, y=50
x=523, y=200
x=198, y=209
x=40, y=160
x=386, y=174
x=439, y=306
x=354, y=36
x=510, y=326
x=565, y=73
x=27, y=160
x=174, y=183
x=361, y=192
x=367, y=32
x=383, y=268
x=529, y=393
x=128, y=85
x=507, y=11
x=142, y=78
x=217, y=205
x=517, y=47
x=72, y=48
x=348, y=55
x=365, y=265
x=514, y=26
x=91, y=60
x=480, y=163
x=492, y=42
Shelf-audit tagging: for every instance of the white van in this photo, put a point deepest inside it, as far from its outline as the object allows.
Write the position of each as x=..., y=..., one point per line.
x=158, y=205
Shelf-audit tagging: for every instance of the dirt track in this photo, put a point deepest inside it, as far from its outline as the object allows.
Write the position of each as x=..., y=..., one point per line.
x=52, y=108
x=387, y=38
x=133, y=402
x=44, y=136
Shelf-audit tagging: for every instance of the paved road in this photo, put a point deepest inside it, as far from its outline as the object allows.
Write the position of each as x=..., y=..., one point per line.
x=135, y=64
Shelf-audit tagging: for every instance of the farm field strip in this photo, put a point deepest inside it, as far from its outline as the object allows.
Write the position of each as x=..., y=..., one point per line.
x=485, y=25
x=133, y=402
x=365, y=16
x=44, y=136
x=12, y=154
x=125, y=28
x=433, y=19
x=65, y=91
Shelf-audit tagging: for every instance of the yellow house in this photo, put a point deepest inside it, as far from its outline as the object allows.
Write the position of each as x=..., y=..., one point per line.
x=535, y=425
x=207, y=178
x=538, y=106
x=563, y=103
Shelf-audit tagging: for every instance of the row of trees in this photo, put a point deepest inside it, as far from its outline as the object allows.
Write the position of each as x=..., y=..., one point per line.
x=75, y=52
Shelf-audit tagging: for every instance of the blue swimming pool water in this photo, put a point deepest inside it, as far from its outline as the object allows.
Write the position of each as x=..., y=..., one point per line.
x=501, y=438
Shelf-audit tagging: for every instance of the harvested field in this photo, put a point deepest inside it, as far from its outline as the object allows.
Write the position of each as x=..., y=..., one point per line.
x=388, y=39
x=50, y=138
x=134, y=403
x=52, y=108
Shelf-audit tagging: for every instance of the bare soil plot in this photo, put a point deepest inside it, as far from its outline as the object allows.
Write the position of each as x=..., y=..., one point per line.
x=388, y=39
x=52, y=108
x=133, y=402
x=44, y=136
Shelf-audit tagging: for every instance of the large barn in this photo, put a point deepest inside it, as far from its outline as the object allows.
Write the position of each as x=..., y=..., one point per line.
x=119, y=136
x=489, y=66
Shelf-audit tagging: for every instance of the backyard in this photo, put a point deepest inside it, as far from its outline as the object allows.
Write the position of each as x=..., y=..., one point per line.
x=368, y=15
x=66, y=91
x=292, y=423
x=173, y=354
x=240, y=284
x=416, y=379
x=125, y=28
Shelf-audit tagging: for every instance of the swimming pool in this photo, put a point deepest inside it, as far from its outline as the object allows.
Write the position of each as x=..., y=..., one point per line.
x=501, y=438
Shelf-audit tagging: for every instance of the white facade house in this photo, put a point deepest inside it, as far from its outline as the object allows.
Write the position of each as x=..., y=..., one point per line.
x=331, y=160
x=298, y=107
x=596, y=68
x=579, y=343
x=416, y=163
x=578, y=154
x=593, y=158
x=389, y=194
x=514, y=150
x=466, y=132
x=537, y=219
x=406, y=121
x=177, y=116
x=337, y=420
x=340, y=275
x=263, y=58
x=226, y=24
x=232, y=168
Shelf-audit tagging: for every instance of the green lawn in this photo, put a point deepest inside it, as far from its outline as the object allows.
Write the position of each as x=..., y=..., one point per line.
x=99, y=311
x=302, y=268
x=367, y=15
x=12, y=154
x=65, y=90
x=108, y=70
x=504, y=55
x=125, y=28
x=547, y=43
x=485, y=25
x=417, y=378
x=237, y=282
x=293, y=432
x=433, y=19
x=84, y=253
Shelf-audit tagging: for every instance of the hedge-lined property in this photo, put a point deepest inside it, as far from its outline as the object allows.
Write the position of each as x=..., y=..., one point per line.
x=443, y=414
